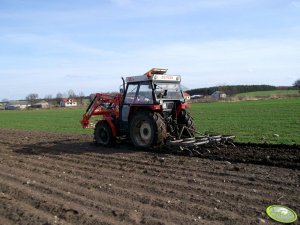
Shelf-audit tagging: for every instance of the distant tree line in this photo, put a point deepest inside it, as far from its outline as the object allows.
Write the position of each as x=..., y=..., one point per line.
x=34, y=97
x=297, y=84
x=59, y=95
x=235, y=89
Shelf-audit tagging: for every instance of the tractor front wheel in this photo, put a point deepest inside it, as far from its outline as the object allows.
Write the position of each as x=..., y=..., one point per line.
x=147, y=129
x=103, y=134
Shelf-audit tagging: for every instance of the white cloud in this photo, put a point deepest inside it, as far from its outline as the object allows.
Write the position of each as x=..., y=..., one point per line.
x=296, y=4
x=122, y=2
x=210, y=63
x=90, y=47
x=48, y=44
x=148, y=8
x=202, y=64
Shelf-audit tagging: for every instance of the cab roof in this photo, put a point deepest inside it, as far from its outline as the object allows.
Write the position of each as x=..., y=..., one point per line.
x=155, y=74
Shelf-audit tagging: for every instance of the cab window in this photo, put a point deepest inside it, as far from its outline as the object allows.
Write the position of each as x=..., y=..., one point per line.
x=144, y=95
x=130, y=94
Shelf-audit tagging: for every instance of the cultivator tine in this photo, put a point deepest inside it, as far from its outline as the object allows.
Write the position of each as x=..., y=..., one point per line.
x=187, y=129
x=201, y=143
x=175, y=142
x=226, y=138
x=187, y=143
x=231, y=143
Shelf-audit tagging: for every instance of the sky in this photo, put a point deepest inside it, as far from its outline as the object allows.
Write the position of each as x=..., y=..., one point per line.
x=47, y=47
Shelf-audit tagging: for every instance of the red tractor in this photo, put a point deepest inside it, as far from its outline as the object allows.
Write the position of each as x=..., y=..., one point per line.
x=150, y=110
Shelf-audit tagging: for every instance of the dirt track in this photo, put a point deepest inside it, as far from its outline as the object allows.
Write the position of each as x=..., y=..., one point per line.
x=48, y=178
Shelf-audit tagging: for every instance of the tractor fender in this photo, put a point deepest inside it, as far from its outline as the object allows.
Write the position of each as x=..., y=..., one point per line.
x=136, y=108
x=110, y=122
x=181, y=107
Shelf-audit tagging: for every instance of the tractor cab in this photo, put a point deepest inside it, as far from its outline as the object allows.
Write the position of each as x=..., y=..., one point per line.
x=154, y=93
x=154, y=90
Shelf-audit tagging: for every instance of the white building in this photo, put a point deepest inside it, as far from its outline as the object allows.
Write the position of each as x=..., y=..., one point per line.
x=41, y=104
x=218, y=95
x=17, y=105
x=186, y=96
x=68, y=102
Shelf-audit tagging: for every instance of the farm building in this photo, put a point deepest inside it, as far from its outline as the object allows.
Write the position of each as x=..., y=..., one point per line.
x=186, y=96
x=41, y=104
x=197, y=96
x=17, y=105
x=68, y=102
x=2, y=107
x=218, y=95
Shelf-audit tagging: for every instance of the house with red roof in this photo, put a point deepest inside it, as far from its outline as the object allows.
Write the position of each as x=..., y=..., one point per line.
x=68, y=102
x=186, y=96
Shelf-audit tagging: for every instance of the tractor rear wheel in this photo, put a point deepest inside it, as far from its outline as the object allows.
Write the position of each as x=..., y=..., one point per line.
x=103, y=134
x=187, y=120
x=147, y=129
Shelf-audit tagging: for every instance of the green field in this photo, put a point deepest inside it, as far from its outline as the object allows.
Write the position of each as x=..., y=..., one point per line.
x=250, y=121
x=54, y=120
x=269, y=93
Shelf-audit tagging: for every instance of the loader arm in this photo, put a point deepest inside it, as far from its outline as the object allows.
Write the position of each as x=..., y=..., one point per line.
x=106, y=105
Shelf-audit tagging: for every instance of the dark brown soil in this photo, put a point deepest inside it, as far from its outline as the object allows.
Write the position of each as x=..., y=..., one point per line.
x=48, y=178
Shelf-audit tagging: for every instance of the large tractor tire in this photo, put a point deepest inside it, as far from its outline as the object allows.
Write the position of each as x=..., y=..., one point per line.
x=147, y=129
x=187, y=120
x=103, y=134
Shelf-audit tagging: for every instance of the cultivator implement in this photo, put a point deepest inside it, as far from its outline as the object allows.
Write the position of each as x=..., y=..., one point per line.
x=207, y=140
x=192, y=144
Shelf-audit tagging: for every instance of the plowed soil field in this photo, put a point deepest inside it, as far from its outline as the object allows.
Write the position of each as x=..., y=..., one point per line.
x=50, y=178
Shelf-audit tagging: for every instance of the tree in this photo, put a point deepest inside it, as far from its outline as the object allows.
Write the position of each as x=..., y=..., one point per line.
x=32, y=97
x=71, y=94
x=80, y=98
x=48, y=97
x=81, y=94
x=92, y=96
x=297, y=84
x=59, y=95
